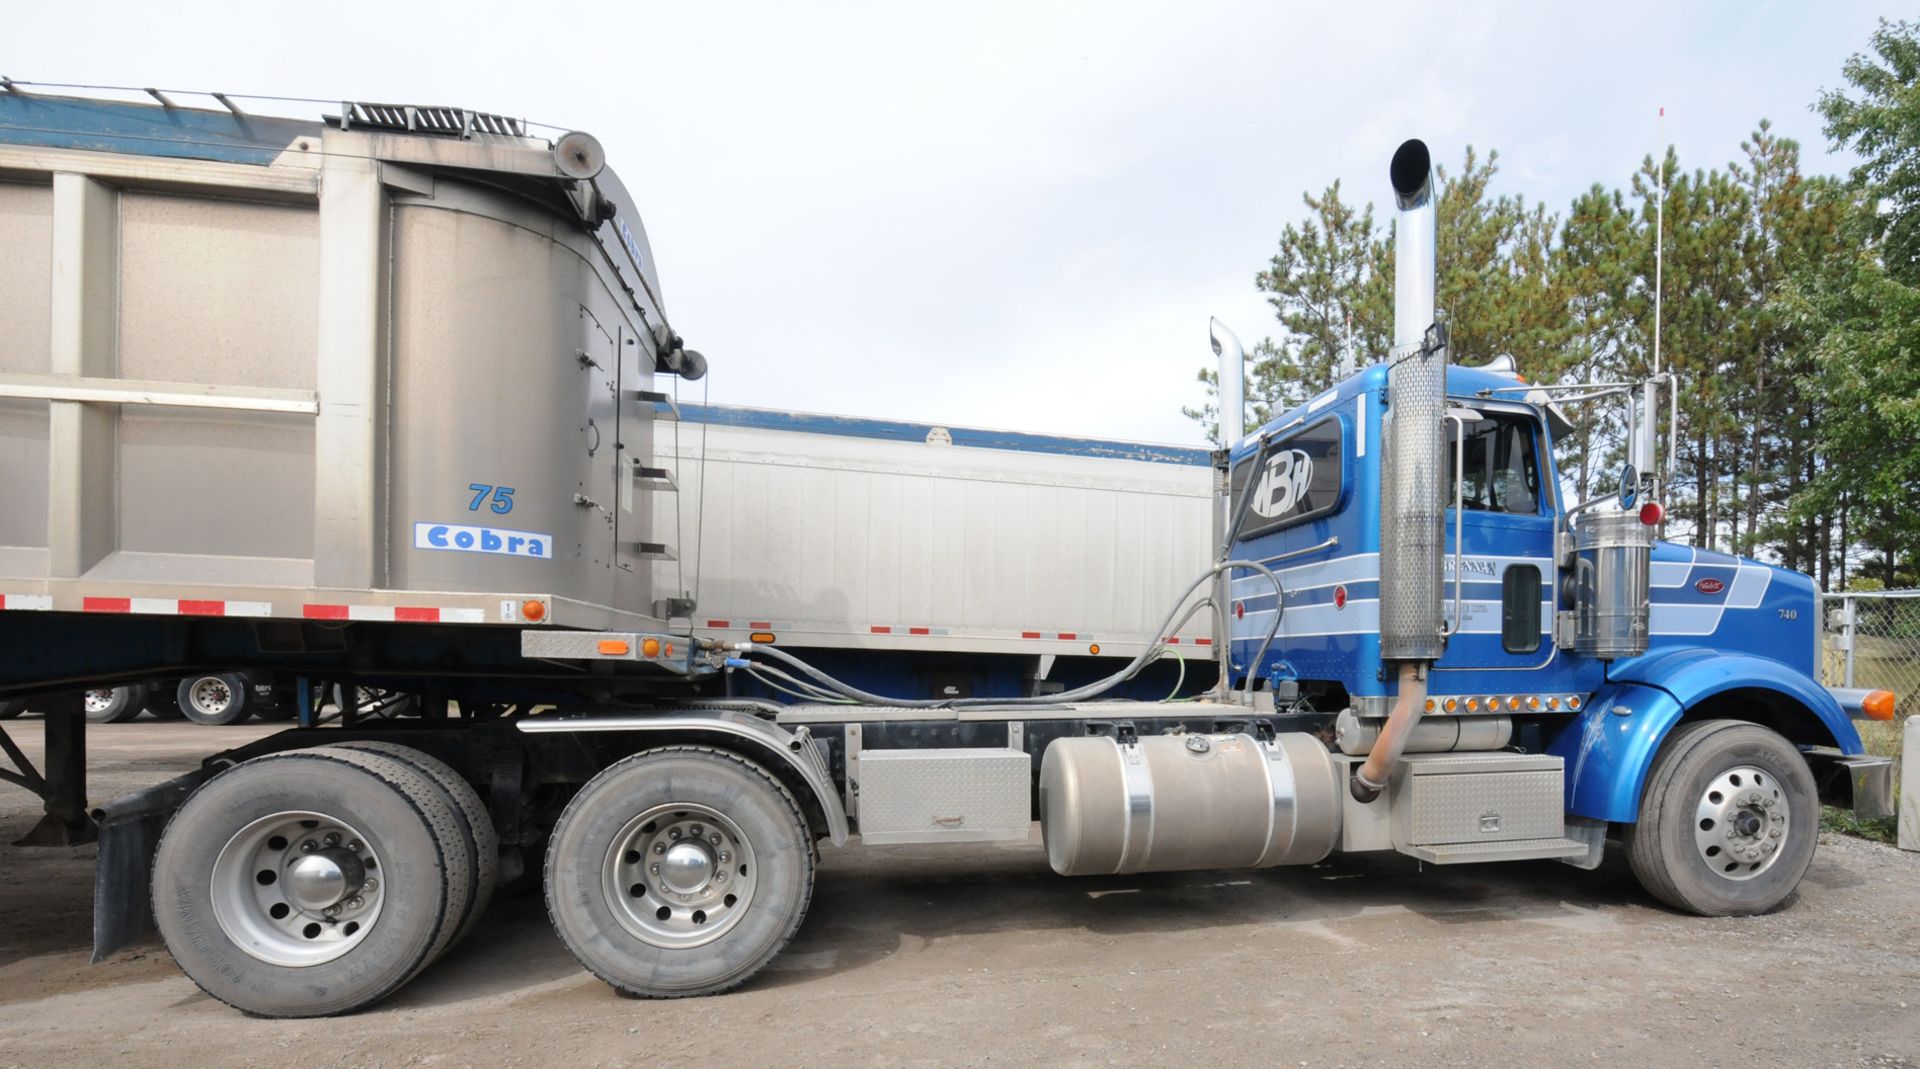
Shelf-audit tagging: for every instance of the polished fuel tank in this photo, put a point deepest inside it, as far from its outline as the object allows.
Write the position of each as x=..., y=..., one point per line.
x=1172, y=802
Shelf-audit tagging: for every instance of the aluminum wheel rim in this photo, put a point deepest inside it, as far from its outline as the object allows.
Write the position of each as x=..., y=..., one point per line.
x=679, y=875
x=1741, y=823
x=264, y=889
x=97, y=700
x=210, y=695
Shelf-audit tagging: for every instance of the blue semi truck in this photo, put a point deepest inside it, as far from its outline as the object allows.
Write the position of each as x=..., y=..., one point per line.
x=1423, y=648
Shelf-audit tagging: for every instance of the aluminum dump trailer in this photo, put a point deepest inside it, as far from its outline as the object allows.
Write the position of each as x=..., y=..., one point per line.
x=833, y=532
x=398, y=366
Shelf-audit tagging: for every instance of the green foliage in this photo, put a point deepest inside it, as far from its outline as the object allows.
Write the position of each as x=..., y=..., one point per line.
x=1789, y=314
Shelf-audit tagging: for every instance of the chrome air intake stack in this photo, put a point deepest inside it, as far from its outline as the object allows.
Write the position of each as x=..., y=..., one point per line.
x=1413, y=477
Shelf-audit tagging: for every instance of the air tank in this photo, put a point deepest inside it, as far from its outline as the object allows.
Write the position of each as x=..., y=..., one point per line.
x=1613, y=556
x=1172, y=802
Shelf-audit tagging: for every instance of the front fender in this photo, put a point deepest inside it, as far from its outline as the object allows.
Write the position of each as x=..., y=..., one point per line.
x=1609, y=749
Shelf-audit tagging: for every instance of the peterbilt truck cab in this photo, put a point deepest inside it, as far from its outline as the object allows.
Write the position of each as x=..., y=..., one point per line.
x=1565, y=629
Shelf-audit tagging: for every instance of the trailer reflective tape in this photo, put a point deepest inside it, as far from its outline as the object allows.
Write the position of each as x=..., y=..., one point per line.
x=760, y=625
x=718, y=623
x=26, y=602
x=919, y=631
x=405, y=614
x=880, y=630
x=1203, y=642
x=190, y=607
x=1068, y=636
x=106, y=604
x=1029, y=634
x=324, y=612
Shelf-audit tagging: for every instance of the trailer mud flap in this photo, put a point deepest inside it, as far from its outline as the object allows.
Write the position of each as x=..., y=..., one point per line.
x=130, y=829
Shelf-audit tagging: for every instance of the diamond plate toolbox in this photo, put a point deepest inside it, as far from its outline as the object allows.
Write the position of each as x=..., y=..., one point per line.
x=958, y=795
x=1477, y=797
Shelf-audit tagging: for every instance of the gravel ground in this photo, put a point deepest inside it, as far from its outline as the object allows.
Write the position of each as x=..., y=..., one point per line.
x=979, y=955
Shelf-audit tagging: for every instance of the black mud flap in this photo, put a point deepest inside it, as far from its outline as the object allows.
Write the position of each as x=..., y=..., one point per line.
x=130, y=828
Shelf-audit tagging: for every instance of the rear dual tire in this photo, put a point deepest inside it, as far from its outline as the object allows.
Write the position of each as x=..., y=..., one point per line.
x=318, y=882
x=114, y=705
x=678, y=872
x=213, y=699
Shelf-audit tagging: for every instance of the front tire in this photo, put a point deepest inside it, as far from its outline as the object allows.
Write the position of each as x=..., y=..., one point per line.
x=679, y=871
x=1728, y=820
x=214, y=699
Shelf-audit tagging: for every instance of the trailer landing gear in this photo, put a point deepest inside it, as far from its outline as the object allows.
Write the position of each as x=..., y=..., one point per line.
x=63, y=787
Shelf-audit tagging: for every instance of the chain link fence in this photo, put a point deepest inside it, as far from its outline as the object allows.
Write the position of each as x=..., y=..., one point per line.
x=1873, y=640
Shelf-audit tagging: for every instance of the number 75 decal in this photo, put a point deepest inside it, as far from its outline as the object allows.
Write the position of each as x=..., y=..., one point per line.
x=502, y=497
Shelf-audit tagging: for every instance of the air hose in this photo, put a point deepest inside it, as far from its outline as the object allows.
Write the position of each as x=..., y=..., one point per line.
x=1091, y=690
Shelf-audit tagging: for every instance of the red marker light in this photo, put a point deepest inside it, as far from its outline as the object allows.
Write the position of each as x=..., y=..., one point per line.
x=1340, y=597
x=1652, y=513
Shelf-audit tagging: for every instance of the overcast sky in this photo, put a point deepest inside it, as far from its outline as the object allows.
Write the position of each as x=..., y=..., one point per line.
x=1016, y=216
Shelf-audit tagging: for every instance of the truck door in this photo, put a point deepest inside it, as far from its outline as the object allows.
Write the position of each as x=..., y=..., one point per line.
x=1505, y=484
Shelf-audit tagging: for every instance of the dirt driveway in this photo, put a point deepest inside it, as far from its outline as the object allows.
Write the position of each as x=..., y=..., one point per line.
x=981, y=956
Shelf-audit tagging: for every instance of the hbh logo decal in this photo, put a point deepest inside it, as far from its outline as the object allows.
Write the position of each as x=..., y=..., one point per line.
x=1283, y=485
x=463, y=538
x=1709, y=586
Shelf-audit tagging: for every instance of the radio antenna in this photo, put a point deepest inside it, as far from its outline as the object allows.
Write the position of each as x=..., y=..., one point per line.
x=1659, y=235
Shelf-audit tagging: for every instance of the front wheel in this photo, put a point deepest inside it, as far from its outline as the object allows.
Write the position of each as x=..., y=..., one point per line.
x=679, y=871
x=1728, y=820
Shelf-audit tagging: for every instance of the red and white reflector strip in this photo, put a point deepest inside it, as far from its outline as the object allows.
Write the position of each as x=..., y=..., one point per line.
x=176, y=607
x=394, y=614
x=26, y=602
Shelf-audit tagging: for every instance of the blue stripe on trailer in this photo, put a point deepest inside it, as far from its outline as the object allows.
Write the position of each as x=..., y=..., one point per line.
x=971, y=437
x=145, y=129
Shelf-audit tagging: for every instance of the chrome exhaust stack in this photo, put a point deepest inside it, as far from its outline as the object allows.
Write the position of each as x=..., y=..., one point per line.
x=1413, y=470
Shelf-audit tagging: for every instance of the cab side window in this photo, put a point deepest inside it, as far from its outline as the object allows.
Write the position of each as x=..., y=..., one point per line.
x=1502, y=472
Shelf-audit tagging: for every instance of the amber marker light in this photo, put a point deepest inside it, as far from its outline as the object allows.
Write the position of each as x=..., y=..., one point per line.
x=650, y=647
x=1473, y=705
x=1878, y=705
x=533, y=611
x=1553, y=703
x=1533, y=703
x=764, y=638
x=1573, y=702
x=1513, y=703
x=1094, y=649
x=1452, y=704
x=614, y=647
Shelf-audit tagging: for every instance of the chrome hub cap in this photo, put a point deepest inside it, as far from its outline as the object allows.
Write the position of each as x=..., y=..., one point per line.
x=324, y=878
x=297, y=888
x=1741, y=823
x=678, y=875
